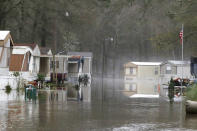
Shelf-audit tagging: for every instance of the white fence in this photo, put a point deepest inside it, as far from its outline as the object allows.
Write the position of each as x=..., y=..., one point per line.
x=11, y=80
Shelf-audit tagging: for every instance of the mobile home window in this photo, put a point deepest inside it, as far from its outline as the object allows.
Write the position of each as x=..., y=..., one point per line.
x=129, y=78
x=130, y=87
x=51, y=64
x=56, y=63
x=156, y=70
x=127, y=71
x=133, y=87
x=132, y=70
x=168, y=70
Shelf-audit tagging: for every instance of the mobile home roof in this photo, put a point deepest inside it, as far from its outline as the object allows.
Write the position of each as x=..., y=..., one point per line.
x=3, y=34
x=147, y=63
x=178, y=62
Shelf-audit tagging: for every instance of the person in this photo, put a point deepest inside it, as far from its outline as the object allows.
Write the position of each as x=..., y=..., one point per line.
x=39, y=85
x=86, y=80
x=80, y=80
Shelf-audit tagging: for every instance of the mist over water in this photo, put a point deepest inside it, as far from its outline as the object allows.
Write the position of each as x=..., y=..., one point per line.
x=115, y=32
x=110, y=108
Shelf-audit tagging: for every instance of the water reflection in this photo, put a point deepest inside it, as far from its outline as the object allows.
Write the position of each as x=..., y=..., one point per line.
x=114, y=112
x=52, y=96
x=191, y=121
x=148, y=87
x=11, y=96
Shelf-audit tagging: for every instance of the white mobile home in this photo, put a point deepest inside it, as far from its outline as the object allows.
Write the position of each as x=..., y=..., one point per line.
x=6, y=44
x=173, y=69
x=141, y=70
x=25, y=59
x=79, y=63
x=60, y=67
x=142, y=77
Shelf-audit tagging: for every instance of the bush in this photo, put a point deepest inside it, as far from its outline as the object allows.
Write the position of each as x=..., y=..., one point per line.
x=52, y=86
x=191, y=92
x=16, y=74
x=76, y=87
x=8, y=89
x=40, y=77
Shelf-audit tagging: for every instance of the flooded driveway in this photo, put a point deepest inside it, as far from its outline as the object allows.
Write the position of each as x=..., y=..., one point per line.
x=110, y=109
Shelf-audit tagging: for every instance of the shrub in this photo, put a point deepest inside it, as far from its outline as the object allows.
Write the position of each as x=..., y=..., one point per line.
x=8, y=89
x=191, y=92
x=40, y=77
x=52, y=86
x=16, y=74
x=76, y=87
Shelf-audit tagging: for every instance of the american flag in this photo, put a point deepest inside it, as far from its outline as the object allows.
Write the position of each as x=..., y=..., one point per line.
x=181, y=36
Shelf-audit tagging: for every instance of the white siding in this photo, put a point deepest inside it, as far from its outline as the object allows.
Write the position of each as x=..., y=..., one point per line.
x=65, y=66
x=4, y=71
x=86, y=66
x=134, y=71
x=37, y=64
x=34, y=65
x=148, y=72
x=7, y=43
x=127, y=71
x=127, y=86
x=4, y=58
x=36, y=51
x=31, y=64
x=186, y=71
x=62, y=68
x=1, y=62
x=5, y=55
x=130, y=86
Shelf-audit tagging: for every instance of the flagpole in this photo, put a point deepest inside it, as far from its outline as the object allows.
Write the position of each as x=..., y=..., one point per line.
x=182, y=61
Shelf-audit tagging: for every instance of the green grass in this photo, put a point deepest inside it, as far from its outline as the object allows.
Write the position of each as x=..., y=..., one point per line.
x=191, y=93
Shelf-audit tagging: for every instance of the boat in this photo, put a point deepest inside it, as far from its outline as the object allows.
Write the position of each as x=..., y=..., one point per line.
x=191, y=107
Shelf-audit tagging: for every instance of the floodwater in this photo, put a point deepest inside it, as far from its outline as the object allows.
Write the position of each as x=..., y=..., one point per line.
x=110, y=108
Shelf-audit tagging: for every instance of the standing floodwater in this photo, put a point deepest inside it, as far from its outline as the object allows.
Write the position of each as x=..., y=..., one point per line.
x=109, y=109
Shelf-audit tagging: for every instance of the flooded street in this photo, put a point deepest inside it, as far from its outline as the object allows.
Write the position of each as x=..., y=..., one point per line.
x=98, y=65
x=110, y=108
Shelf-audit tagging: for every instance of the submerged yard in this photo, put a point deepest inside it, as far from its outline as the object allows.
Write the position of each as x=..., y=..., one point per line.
x=109, y=109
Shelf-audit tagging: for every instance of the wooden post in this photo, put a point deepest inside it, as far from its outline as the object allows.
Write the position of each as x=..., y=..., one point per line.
x=53, y=63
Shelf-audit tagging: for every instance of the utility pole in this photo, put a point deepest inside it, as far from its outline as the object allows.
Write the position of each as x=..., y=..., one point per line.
x=53, y=65
x=181, y=37
x=103, y=64
x=182, y=60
